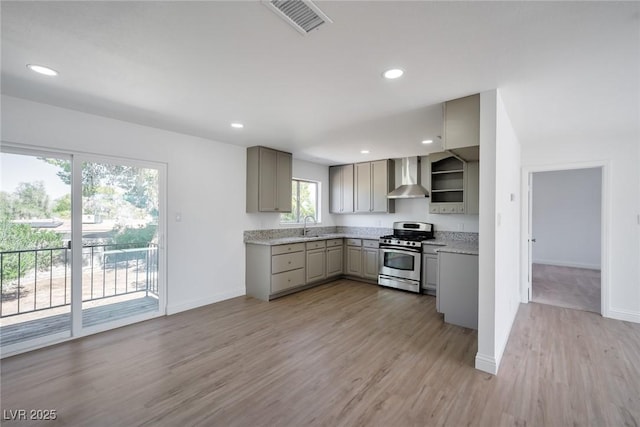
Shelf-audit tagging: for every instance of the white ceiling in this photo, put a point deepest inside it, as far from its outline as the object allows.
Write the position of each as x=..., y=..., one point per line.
x=568, y=71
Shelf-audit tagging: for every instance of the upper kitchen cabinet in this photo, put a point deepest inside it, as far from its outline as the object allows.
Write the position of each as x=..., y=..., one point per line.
x=373, y=181
x=462, y=123
x=341, y=189
x=268, y=180
x=454, y=184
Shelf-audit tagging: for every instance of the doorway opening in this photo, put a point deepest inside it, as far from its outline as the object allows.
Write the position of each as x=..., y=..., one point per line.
x=566, y=238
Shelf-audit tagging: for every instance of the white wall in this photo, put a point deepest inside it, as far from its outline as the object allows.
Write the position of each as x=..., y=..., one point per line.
x=566, y=217
x=206, y=184
x=620, y=224
x=411, y=210
x=499, y=271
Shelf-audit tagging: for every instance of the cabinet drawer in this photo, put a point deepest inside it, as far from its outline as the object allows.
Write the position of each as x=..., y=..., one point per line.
x=286, y=280
x=316, y=245
x=354, y=242
x=286, y=262
x=283, y=249
x=370, y=244
x=334, y=242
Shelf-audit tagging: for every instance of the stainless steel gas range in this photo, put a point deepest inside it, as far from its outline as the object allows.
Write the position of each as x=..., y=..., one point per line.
x=401, y=255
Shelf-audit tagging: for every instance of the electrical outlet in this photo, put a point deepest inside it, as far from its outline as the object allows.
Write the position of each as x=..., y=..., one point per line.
x=178, y=216
x=460, y=227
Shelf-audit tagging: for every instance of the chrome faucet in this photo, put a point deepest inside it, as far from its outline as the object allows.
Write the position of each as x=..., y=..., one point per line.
x=304, y=229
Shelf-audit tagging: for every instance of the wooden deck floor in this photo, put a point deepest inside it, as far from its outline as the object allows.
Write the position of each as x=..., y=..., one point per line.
x=12, y=334
x=341, y=354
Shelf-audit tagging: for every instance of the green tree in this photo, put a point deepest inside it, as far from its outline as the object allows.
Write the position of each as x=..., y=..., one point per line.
x=6, y=205
x=19, y=237
x=62, y=206
x=139, y=184
x=30, y=200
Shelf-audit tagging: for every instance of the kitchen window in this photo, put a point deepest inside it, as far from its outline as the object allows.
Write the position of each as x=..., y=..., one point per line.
x=304, y=202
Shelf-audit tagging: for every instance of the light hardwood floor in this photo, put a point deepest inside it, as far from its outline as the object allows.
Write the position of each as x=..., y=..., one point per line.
x=568, y=287
x=342, y=354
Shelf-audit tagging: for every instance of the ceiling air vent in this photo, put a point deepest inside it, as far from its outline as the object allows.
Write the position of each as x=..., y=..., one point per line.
x=302, y=15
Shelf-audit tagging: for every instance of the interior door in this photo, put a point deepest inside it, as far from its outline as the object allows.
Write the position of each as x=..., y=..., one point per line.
x=530, y=239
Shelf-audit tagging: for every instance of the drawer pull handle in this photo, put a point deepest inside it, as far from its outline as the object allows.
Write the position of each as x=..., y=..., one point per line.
x=289, y=262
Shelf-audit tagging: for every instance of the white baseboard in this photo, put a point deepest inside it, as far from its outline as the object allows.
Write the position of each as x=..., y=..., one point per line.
x=625, y=315
x=566, y=264
x=486, y=364
x=199, y=302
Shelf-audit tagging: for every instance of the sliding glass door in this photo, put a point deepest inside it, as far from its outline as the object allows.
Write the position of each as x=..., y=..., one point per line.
x=120, y=257
x=80, y=245
x=35, y=255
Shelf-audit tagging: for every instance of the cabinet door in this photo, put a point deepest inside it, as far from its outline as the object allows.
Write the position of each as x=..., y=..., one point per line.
x=335, y=189
x=370, y=261
x=283, y=182
x=379, y=185
x=462, y=122
x=354, y=261
x=334, y=261
x=363, y=187
x=432, y=270
x=347, y=188
x=267, y=184
x=315, y=265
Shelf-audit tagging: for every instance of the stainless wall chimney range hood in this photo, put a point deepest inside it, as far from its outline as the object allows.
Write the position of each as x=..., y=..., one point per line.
x=410, y=188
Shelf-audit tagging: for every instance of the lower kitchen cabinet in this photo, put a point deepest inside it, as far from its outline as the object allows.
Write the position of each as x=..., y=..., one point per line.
x=457, y=294
x=316, y=261
x=370, y=259
x=430, y=270
x=335, y=256
x=354, y=257
x=273, y=270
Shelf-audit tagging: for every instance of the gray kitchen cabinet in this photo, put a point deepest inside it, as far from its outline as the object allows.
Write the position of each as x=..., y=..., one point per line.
x=316, y=255
x=362, y=187
x=354, y=257
x=370, y=259
x=269, y=174
x=454, y=184
x=341, y=189
x=458, y=288
x=462, y=122
x=372, y=182
x=272, y=271
x=472, y=188
x=430, y=270
x=335, y=257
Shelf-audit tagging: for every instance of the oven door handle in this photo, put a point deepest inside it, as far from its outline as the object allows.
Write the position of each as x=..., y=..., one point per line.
x=400, y=251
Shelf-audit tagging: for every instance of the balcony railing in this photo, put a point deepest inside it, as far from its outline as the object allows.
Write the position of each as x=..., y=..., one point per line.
x=40, y=279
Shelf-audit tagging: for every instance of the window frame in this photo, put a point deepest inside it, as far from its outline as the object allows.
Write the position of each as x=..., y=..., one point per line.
x=296, y=193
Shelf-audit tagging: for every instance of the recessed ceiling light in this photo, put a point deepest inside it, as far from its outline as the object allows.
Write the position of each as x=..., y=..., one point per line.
x=427, y=141
x=40, y=69
x=237, y=125
x=364, y=151
x=393, y=73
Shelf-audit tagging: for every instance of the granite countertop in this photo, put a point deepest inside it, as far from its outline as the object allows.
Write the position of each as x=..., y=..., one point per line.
x=302, y=239
x=454, y=246
x=450, y=246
